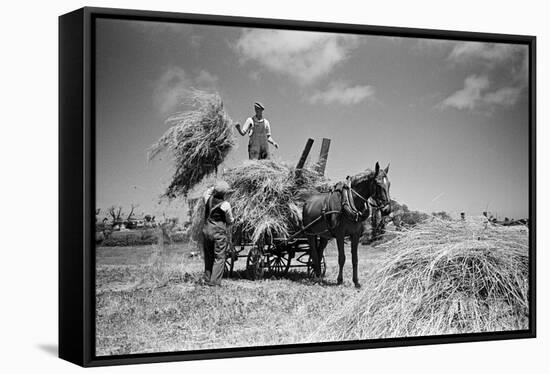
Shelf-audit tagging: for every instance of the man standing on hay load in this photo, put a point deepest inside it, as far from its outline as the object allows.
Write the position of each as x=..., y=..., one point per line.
x=217, y=240
x=259, y=131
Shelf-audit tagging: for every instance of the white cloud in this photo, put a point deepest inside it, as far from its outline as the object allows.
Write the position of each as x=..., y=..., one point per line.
x=302, y=55
x=206, y=80
x=505, y=65
x=506, y=96
x=341, y=93
x=489, y=53
x=477, y=94
x=469, y=96
x=170, y=88
x=172, y=85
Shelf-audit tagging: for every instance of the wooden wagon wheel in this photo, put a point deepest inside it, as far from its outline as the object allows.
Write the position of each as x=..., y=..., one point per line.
x=230, y=259
x=311, y=271
x=255, y=262
x=279, y=263
x=228, y=266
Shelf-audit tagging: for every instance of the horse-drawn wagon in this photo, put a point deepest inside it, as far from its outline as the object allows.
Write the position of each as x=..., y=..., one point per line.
x=337, y=213
x=275, y=255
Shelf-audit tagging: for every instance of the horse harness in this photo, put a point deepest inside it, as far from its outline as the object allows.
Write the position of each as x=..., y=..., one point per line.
x=348, y=208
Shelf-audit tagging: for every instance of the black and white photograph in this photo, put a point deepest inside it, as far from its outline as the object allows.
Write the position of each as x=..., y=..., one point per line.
x=275, y=187
x=260, y=187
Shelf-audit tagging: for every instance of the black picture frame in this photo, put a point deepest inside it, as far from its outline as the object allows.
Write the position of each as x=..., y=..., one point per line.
x=77, y=181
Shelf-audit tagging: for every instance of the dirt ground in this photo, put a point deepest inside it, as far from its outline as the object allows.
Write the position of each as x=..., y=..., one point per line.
x=152, y=302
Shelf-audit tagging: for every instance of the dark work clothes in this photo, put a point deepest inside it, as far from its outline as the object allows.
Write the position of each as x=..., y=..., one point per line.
x=216, y=245
x=216, y=240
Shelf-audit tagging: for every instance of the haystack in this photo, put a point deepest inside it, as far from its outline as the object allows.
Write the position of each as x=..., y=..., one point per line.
x=198, y=140
x=442, y=278
x=266, y=198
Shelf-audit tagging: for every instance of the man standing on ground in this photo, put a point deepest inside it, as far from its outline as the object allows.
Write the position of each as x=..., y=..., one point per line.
x=259, y=131
x=217, y=239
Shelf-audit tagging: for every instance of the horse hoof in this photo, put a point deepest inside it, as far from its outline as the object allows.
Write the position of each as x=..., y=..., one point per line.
x=357, y=285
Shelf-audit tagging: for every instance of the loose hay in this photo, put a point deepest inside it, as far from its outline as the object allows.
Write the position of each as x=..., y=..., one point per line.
x=442, y=278
x=198, y=140
x=266, y=198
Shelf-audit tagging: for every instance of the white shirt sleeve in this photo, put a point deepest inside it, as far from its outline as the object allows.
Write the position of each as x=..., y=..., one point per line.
x=248, y=125
x=267, y=128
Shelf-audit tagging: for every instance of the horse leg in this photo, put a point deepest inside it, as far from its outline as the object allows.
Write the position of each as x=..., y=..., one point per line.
x=322, y=245
x=320, y=250
x=314, y=255
x=354, y=259
x=341, y=258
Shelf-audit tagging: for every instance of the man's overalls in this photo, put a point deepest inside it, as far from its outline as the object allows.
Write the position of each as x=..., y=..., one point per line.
x=258, y=147
x=216, y=240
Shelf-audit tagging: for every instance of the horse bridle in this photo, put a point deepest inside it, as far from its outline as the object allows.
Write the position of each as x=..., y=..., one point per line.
x=372, y=201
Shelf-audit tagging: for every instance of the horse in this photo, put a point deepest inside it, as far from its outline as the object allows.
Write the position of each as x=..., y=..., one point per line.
x=335, y=214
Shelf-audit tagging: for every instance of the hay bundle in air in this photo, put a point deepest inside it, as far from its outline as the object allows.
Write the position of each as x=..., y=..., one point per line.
x=266, y=198
x=442, y=278
x=198, y=140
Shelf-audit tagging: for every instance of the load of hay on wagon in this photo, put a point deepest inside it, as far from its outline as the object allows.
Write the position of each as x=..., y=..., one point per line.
x=442, y=277
x=266, y=198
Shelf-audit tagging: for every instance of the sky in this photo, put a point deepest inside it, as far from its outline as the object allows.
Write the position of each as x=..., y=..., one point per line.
x=450, y=117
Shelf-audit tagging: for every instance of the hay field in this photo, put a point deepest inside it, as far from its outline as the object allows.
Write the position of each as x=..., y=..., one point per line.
x=442, y=277
x=148, y=302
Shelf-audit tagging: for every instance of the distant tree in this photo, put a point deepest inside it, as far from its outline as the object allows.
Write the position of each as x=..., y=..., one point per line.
x=413, y=217
x=115, y=213
x=132, y=209
x=442, y=215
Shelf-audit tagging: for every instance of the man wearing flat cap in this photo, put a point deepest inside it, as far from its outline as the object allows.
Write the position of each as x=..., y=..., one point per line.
x=259, y=132
x=217, y=228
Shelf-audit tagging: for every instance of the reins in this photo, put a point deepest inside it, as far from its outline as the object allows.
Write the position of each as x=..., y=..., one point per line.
x=349, y=207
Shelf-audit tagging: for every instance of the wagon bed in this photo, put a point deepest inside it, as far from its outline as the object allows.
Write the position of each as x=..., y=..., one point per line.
x=275, y=257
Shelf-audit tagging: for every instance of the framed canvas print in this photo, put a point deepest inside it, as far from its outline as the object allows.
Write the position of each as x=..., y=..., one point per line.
x=234, y=186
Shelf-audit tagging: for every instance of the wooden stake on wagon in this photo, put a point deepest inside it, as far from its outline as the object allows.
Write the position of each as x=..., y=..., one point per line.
x=323, y=156
x=303, y=158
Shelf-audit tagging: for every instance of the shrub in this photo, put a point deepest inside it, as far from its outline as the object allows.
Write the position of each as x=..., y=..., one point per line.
x=129, y=238
x=442, y=215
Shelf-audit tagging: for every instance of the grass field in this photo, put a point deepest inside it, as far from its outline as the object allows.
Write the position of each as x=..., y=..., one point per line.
x=438, y=278
x=148, y=302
